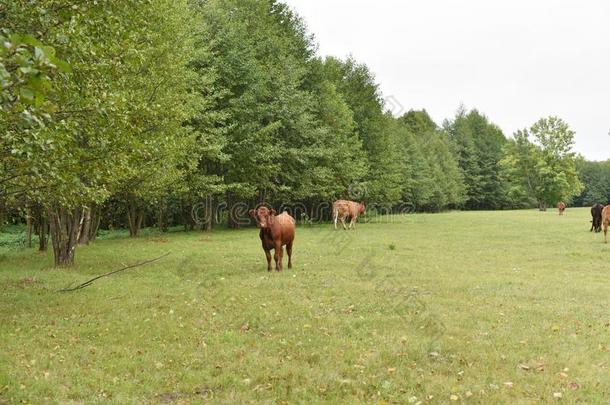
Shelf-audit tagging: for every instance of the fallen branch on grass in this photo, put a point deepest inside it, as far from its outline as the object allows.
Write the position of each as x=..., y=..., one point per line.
x=89, y=282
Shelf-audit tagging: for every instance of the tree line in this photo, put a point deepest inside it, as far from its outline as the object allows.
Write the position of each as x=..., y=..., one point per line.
x=132, y=113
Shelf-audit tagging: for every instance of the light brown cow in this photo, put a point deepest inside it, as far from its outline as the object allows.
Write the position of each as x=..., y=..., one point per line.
x=276, y=231
x=606, y=221
x=561, y=206
x=344, y=208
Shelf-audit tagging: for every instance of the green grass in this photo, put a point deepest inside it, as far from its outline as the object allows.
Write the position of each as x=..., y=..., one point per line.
x=480, y=307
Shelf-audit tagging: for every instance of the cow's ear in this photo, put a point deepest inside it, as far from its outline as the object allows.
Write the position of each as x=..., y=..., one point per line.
x=251, y=213
x=272, y=212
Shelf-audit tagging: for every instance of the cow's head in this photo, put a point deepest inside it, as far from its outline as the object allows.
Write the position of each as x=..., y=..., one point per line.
x=361, y=208
x=263, y=216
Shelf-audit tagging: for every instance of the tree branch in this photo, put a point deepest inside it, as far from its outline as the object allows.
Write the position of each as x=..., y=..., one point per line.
x=89, y=282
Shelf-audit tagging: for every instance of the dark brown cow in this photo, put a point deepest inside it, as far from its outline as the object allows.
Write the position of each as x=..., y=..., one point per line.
x=596, y=214
x=344, y=208
x=276, y=231
x=606, y=221
x=561, y=206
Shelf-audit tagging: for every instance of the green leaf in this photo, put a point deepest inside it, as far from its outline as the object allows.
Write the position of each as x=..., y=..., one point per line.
x=26, y=70
x=62, y=66
x=49, y=51
x=39, y=54
x=26, y=39
x=27, y=94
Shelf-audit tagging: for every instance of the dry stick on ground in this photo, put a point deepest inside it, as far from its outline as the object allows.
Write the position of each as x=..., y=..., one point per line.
x=89, y=282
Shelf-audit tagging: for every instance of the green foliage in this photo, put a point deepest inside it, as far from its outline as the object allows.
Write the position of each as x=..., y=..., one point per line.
x=159, y=100
x=112, y=106
x=478, y=144
x=118, y=118
x=287, y=133
x=595, y=177
x=14, y=237
x=432, y=179
x=357, y=86
x=544, y=168
x=27, y=68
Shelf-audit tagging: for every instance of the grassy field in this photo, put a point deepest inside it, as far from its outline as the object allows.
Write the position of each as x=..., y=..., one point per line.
x=480, y=307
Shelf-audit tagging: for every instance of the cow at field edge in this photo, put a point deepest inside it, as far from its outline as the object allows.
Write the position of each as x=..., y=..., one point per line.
x=596, y=214
x=275, y=232
x=561, y=206
x=606, y=221
x=344, y=208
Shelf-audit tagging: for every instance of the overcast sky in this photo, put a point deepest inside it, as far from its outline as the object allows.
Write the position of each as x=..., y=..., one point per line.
x=514, y=60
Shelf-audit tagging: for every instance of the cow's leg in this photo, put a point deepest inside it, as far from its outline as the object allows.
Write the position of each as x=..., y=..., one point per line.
x=268, y=255
x=335, y=215
x=343, y=223
x=278, y=256
x=353, y=222
x=289, y=252
x=605, y=233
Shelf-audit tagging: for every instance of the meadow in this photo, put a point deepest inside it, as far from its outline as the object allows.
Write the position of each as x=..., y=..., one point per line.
x=478, y=307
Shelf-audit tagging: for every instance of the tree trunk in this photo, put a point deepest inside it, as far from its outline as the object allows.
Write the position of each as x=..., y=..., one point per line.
x=86, y=227
x=135, y=216
x=161, y=218
x=95, y=222
x=231, y=222
x=187, y=215
x=43, y=231
x=209, y=215
x=207, y=222
x=30, y=226
x=231, y=213
x=2, y=213
x=541, y=205
x=65, y=228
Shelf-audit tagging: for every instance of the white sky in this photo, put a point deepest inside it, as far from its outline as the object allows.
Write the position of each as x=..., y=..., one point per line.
x=514, y=60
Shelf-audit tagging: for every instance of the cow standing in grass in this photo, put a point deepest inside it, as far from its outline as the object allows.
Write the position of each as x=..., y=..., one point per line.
x=606, y=221
x=596, y=214
x=276, y=231
x=561, y=206
x=344, y=208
